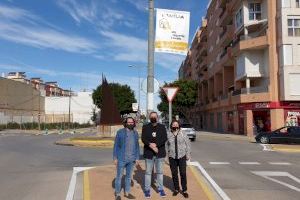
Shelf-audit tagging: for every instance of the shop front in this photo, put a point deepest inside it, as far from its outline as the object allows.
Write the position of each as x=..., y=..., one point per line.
x=262, y=118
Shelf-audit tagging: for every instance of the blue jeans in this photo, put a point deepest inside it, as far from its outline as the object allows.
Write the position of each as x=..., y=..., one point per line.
x=120, y=168
x=159, y=172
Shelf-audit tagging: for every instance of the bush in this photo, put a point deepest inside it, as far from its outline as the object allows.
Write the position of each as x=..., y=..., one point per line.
x=49, y=126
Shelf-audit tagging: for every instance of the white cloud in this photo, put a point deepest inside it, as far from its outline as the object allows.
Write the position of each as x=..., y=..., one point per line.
x=80, y=11
x=88, y=11
x=20, y=26
x=129, y=48
x=141, y=5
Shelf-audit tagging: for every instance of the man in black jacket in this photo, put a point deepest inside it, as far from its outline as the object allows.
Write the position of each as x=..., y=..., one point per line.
x=154, y=137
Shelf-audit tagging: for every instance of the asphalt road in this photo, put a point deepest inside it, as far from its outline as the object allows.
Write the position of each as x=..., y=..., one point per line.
x=32, y=167
x=245, y=172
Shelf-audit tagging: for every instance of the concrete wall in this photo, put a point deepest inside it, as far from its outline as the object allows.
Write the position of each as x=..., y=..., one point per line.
x=19, y=102
x=81, y=106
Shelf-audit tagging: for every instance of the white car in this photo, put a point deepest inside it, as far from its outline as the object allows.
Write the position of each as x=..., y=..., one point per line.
x=189, y=130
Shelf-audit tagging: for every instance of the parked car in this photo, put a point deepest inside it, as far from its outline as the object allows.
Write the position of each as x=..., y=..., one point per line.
x=189, y=130
x=286, y=134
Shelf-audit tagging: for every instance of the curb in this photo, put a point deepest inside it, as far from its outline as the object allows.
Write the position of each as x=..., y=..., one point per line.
x=285, y=148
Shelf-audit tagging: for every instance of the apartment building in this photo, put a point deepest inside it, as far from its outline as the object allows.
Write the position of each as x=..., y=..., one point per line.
x=246, y=60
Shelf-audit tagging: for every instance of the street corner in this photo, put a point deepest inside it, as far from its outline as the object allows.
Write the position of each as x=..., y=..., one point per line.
x=98, y=183
x=97, y=142
x=288, y=148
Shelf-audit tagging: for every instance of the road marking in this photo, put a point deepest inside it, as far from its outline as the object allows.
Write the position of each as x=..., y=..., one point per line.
x=249, y=163
x=222, y=194
x=72, y=184
x=279, y=163
x=269, y=174
x=219, y=163
x=267, y=147
x=204, y=186
x=86, y=185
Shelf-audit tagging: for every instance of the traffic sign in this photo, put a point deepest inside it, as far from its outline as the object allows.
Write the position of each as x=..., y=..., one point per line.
x=171, y=92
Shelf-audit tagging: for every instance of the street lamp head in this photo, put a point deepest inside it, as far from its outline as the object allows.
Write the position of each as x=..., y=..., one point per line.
x=130, y=66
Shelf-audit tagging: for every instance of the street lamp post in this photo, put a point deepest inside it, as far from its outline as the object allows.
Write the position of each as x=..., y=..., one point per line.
x=150, y=77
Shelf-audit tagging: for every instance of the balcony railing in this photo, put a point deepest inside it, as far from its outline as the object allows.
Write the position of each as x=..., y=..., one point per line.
x=251, y=90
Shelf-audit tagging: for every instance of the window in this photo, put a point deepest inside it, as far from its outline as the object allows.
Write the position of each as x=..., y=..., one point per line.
x=254, y=11
x=297, y=4
x=294, y=27
x=239, y=18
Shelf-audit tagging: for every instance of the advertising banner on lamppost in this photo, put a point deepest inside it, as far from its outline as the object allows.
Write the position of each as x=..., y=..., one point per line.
x=172, y=31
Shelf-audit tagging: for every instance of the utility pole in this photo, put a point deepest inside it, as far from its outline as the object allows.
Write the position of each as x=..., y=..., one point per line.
x=150, y=77
x=39, y=114
x=69, y=109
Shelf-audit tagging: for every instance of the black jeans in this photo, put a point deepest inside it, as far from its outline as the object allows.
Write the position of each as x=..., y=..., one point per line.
x=174, y=165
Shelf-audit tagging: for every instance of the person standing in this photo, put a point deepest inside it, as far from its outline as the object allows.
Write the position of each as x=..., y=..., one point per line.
x=179, y=151
x=125, y=155
x=154, y=137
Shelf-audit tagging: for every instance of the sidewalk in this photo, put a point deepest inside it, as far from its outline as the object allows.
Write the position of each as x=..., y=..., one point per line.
x=99, y=184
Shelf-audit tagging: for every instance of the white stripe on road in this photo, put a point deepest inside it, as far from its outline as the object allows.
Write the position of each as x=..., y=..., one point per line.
x=72, y=184
x=266, y=147
x=219, y=163
x=210, y=180
x=269, y=174
x=279, y=163
x=249, y=163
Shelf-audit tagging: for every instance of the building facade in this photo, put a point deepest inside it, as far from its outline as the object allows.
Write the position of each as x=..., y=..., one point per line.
x=246, y=60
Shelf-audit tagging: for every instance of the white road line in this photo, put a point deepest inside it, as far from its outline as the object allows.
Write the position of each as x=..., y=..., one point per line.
x=249, y=163
x=269, y=174
x=279, y=163
x=222, y=194
x=72, y=184
x=219, y=163
x=266, y=147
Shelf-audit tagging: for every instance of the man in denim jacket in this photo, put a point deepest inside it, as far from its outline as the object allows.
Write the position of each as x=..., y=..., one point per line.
x=126, y=155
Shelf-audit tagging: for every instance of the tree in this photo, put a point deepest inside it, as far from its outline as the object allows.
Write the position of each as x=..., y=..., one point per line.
x=186, y=96
x=123, y=95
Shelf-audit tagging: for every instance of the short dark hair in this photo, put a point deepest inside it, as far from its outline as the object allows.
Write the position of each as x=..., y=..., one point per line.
x=153, y=112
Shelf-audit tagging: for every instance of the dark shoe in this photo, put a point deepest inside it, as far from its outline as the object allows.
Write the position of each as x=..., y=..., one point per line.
x=185, y=195
x=147, y=194
x=118, y=197
x=129, y=196
x=175, y=193
x=162, y=193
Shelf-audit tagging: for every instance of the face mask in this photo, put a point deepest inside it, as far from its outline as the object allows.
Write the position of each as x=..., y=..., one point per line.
x=174, y=128
x=153, y=120
x=130, y=126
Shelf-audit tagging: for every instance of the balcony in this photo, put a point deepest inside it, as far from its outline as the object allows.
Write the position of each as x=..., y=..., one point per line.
x=227, y=35
x=253, y=94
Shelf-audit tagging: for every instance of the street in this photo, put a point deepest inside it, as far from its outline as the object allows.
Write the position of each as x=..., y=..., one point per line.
x=32, y=167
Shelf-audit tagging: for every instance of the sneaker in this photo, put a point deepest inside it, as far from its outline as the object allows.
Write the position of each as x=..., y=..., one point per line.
x=175, y=193
x=162, y=193
x=147, y=194
x=129, y=196
x=185, y=195
x=118, y=197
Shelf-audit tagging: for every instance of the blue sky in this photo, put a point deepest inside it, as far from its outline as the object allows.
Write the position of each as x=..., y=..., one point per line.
x=75, y=41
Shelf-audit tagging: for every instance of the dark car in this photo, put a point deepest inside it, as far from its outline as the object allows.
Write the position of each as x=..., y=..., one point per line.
x=286, y=134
